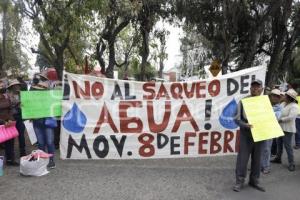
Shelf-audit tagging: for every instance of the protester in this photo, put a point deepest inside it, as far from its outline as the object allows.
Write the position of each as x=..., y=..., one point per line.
x=6, y=118
x=297, y=134
x=23, y=84
x=57, y=86
x=248, y=146
x=287, y=123
x=267, y=144
x=274, y=143
x=14, y=89
x=44, y=133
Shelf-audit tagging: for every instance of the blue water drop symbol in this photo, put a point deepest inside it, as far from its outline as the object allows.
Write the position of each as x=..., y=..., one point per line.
x=227, y=117
x=74, y=120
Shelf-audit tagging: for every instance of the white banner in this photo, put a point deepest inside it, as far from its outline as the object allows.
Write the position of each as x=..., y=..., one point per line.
x=116, y=119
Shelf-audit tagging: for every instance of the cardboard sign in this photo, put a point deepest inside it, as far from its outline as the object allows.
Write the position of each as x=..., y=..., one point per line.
x=41, y=104
x=261, y=116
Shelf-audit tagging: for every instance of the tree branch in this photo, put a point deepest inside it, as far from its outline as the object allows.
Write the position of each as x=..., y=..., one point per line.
x=73, y=55
x=262, y=50
x=42, y=54
x=100, y=48
x=120, y=27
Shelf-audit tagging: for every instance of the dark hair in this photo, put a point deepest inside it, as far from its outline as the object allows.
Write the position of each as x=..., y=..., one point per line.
x=291, y=99
x=35, y=81
x=2, y=90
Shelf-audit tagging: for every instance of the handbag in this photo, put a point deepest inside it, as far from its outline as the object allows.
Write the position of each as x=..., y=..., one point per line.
x=51, y=122
x=34, y=164
x=8, y=132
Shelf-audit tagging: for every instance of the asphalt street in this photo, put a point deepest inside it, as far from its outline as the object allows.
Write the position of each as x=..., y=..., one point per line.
x=187, y=178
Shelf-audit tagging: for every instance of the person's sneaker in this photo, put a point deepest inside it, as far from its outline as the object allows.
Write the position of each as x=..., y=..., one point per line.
x=12, y=163
x=276, y=160
x=291, y=167
x=266, y=171
x=256, y=186
x=297, y=147
x=237, y=187
x=51, y=164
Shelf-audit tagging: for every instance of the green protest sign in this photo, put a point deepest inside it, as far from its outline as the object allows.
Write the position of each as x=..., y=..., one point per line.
x=40, y=104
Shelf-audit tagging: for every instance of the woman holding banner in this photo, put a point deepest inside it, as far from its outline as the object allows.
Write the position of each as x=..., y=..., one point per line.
x=14, y=89
x=287, y=122
x=267, y=145
x=5, y=119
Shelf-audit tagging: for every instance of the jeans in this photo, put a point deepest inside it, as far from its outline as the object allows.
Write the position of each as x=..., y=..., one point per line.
x=297, y=135
x=266, y=154
x=285, y=140
x=44, y=135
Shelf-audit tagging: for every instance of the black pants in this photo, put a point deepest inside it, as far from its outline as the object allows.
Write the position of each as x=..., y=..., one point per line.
x=274, y=147
x=248, y=147
x=21, y=129
x=9, y=149
x=57, y=134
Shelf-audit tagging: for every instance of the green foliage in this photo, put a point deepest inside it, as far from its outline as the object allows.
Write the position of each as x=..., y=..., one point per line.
x=134, y=70
x=11, y=55
x=121, y=33
x=60, y=25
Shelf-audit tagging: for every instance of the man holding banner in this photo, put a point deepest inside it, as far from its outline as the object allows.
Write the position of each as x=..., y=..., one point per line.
x=248, y=146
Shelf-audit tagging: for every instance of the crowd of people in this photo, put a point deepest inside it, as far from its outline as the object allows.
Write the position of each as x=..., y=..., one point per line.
x=10, y=112
x=285, y=107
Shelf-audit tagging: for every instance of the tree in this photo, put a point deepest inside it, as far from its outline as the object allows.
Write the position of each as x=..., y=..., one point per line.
x=117, y=15
x=149, y=14
x=214, y=22
x=11, y=55
x=243, y=32
x=196, y=52
x=58, y=25
x=127, y=48
x=162, y=55
x=134, y=70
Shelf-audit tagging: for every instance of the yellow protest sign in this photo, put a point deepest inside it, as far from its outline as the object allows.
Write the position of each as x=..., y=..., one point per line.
x=261, y=116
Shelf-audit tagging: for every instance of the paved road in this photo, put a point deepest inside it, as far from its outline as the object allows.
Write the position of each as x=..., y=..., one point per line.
x=190, y=179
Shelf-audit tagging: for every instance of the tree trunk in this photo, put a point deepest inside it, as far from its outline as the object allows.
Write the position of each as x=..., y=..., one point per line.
x=161, y=59
x=112, y=58
x=249, y=54
x=145, y=52
x=287, y=55
x=272, y=74
x=100, y=48
x=59, y=64
x=226, y=54
x=161, y=67
x=1, y=62
x=4, y=34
